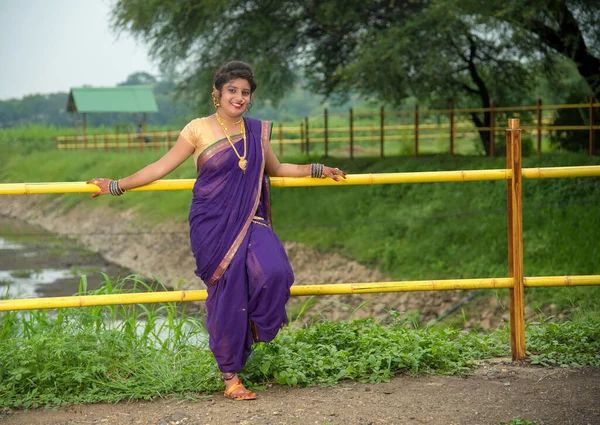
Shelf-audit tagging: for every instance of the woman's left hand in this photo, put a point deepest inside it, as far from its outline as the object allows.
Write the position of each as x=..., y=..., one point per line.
x=333, y=173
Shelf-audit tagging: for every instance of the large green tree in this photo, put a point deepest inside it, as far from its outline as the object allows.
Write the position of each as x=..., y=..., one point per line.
x=384, y=49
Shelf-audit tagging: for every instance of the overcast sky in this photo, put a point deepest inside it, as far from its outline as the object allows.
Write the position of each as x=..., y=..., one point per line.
x=49, y=46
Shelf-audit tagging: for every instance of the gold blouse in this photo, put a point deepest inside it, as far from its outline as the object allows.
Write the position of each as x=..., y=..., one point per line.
x=202, y=133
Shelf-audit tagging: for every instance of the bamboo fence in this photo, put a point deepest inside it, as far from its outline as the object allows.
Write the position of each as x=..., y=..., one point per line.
x=515, y=282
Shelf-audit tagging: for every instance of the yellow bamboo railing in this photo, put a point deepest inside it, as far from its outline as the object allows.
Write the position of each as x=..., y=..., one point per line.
x=515, y=282
x=352, y=180
x=300, y=290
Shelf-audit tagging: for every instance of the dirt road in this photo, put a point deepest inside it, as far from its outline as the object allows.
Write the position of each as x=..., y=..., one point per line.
x=492, y=394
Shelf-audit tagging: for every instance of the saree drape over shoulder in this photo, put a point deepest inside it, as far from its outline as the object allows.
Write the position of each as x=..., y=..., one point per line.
x=238, y=256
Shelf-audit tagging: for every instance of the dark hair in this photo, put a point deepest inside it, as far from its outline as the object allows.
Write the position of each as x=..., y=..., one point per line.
x=234, y=70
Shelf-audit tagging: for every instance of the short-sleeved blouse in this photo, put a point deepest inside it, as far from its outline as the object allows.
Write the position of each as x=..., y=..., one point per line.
x=202, y=133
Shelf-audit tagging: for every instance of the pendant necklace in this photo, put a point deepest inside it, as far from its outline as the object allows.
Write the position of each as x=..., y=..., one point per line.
x=242, y=163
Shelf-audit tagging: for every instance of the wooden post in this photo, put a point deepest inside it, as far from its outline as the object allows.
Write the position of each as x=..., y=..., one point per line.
x=168, y=139
x=381, y=132
x=280, y=139
x=539, y=126
x=591, y=125
x=452, y=127
x=515, y=240
x=326, y=118
x=301, y=137
x=95, y=142
x=129, y=142
x=307, y=137
x=351, y=134
x=417, y=129
x=105, y=141
x=155, y=141
x=493, y=129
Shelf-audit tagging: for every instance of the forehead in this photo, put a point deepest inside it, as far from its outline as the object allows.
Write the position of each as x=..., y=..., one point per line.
x=238, y=83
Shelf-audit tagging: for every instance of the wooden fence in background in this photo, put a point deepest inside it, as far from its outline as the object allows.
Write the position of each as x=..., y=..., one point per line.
x=404, y=132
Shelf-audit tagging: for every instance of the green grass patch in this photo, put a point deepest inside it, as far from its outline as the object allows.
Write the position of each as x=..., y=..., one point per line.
x=140, y=352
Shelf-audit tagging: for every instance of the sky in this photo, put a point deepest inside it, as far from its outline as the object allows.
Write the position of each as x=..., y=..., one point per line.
x=49, y=46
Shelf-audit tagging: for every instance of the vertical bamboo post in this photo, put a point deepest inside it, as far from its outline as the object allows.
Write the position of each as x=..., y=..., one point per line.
x=168, y=139
x=141, y=141
x=452, y=127
x=129, y=142
x=280, y=139
x=105, y=141
x=95, y=142
x=301, y=137
x=351, y=134
x=515, y=240
x=155, y=141
x=307, y=137
x=591, y=143
x=417, y=129
x=381, y=131
x=539, y=126
x=117, y=140
x=493, y=129
x=326, y=118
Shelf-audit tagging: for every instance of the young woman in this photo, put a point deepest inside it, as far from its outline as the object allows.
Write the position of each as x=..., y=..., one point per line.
x=238, y=256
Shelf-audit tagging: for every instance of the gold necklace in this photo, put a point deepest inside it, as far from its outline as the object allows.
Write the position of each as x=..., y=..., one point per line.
x=242, y=163
x=228, y=122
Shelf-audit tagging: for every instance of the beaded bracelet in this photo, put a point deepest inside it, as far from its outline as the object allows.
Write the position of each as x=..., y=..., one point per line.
x=114, y=188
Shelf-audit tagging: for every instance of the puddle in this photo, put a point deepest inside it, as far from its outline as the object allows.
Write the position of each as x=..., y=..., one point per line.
x=36, y=263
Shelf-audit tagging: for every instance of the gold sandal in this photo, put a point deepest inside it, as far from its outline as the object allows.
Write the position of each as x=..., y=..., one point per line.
x=249, y=395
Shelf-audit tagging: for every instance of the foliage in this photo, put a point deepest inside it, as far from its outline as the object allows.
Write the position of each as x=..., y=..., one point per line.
x=520, y=421
x=140, y=352
x=383, y=50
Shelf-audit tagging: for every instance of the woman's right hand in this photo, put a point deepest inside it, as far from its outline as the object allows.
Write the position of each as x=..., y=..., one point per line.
x=102, y=184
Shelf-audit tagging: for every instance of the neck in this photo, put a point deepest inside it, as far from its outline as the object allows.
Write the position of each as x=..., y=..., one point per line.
x=229, y=119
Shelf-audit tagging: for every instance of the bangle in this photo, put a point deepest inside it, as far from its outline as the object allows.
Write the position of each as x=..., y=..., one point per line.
x=316, y=171
x=114, y=188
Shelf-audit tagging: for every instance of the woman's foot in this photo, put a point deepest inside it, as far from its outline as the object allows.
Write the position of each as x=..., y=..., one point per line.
x=235, y=390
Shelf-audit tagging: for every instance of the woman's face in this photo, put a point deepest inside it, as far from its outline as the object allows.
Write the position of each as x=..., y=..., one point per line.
x=235, y=97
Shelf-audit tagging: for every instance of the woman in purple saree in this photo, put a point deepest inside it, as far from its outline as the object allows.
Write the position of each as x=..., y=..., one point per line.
x=238, y=256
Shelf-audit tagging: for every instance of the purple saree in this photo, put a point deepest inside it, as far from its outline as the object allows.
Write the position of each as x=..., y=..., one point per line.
x=238, y=256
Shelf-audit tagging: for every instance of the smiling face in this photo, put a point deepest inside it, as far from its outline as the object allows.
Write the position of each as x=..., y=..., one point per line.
x=234, y=97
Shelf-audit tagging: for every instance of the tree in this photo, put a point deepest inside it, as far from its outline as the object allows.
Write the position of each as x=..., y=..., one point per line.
x=384, y=49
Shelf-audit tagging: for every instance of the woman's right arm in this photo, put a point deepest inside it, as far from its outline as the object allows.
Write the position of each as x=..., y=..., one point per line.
x=155, y=171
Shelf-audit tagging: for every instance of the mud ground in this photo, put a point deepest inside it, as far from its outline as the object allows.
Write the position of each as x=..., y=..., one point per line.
x=494, y=393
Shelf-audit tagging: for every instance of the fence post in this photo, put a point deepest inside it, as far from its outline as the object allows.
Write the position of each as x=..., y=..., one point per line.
x=155, y=141
x=105, y=139
x=382, y=131
x=539, y=126
x=129, y=142
x=280, y=139
x=307, y=137
x=95, y=142
x=452, y=127
x=416, y=129
x=515, y=240
x=351, y=134
x=591, y=125
x=168, y=139
x=493, y=129
x=301, y=137
x=326, y=118
x=117, y=140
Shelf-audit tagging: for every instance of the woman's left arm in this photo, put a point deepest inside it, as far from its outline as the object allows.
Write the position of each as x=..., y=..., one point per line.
x=274, y=168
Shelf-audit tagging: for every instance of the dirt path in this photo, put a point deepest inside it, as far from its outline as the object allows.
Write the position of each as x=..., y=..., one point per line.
x=494, y=393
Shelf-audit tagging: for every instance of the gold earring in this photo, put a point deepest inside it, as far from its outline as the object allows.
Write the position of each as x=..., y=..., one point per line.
x=215, y=100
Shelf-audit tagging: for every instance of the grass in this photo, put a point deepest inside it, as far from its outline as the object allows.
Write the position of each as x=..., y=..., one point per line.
x=139, y=352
